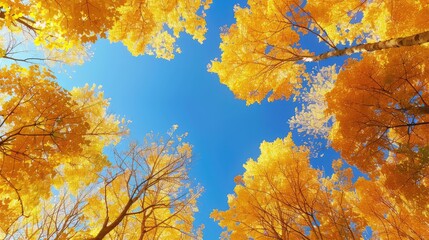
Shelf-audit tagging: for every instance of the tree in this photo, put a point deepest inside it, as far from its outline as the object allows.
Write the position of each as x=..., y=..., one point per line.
x=280, y=196
x=386, y=87
x=48, y=136
x=385, y=111
x=269, y=58
x=65, y=28
x=374, y=111
x=144, y=194
x=52, y=140
x=389, y=213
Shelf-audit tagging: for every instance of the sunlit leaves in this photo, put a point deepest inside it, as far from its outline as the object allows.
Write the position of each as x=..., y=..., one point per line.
x=153, y=26
x=389, y=213
x=378, y=104
x=312, y=119
x=280, y=196
x=253, y=53
x=53, y=138
x=264, y=52
x=145, y=193
x=381, y=111
x=47, y=132
x=65, y=28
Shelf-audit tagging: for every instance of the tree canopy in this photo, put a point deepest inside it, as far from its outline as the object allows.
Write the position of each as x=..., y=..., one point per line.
x=358, y=68
x=280, y=196
x=371, y=107
x=269, y=58
x=65, y=28
x=144, y=193
x=56, y=180
x=47, y=134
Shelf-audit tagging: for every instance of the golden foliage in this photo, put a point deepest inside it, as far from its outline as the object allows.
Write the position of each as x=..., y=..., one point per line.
x=382, y=115
x=55, y=179
x=281, y=197
x=46, y=134
x=389, y=213
x=252, y=53
x=312, y=118
x=378, y=105
x=264, y=52
x=145, y=193
x=65, y=27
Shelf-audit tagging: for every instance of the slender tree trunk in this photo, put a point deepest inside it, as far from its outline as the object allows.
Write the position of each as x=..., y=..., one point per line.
x=416, y=39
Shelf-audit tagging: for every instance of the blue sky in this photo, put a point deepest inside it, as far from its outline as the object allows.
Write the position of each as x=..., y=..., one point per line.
x=155, y=94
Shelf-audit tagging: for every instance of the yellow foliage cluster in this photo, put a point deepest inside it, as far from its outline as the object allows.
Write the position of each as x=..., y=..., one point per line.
x=278, y=45
x=374, y=112
x=158, y=205
x=48, y=133
x=251, y=54
x=382, y=107
x=282, y=197
x=55, y=179
x=65, y=27
x=52, y=140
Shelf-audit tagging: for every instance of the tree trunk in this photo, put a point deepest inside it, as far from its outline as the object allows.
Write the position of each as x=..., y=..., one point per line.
x=416, y=39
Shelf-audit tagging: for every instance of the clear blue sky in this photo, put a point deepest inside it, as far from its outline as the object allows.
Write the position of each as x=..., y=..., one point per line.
x=155, y=94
